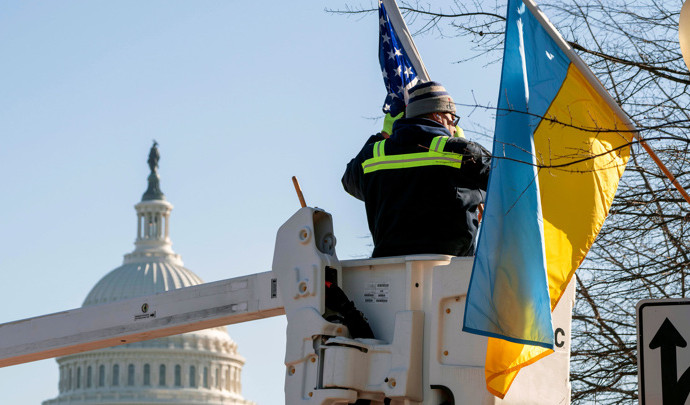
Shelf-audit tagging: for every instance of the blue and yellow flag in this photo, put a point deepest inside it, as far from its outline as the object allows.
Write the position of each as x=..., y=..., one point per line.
x=560, y=146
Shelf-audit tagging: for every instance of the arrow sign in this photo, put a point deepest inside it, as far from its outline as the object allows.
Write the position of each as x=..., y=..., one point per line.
x=668, y=321
x=667, y=338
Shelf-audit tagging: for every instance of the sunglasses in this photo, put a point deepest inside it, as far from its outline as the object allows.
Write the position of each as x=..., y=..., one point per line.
x=455, y=120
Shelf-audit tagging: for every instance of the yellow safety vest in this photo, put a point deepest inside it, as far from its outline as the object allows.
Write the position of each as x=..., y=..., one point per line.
x=434, y=157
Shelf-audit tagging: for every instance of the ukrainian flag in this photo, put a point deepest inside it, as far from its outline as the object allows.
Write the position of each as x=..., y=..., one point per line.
x=560, y=146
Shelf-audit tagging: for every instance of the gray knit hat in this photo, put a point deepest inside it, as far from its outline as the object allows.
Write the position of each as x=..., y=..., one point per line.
x=427, y=98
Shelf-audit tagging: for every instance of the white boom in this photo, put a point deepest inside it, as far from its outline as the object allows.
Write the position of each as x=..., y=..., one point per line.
x=203, y=306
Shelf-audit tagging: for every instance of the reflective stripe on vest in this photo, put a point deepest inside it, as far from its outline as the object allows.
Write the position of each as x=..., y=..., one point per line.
x=434, y=157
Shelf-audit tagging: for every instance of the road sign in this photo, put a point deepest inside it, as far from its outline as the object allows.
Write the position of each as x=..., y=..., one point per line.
x=663, y=355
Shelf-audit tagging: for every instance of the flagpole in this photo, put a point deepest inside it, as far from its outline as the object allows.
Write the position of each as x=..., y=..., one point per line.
x=596, y=84
x=663, y=168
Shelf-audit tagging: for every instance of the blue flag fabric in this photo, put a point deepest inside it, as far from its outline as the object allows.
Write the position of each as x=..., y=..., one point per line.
x=509, y=293
x=398, y=71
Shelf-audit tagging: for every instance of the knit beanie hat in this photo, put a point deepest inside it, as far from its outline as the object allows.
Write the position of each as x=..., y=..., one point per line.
x=428, y=97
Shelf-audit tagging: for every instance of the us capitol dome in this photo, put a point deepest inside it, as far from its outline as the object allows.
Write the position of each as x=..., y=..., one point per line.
x=201, y=367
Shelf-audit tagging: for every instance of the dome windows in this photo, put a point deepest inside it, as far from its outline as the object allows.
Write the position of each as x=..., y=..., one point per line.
x=161, y=375
x=130, y=375
x=116, y=375
x=192, y=376
x=101, y=375
x=147, y=374
x=178, y=375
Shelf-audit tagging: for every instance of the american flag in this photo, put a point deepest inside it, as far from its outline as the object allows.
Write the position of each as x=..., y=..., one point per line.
x=401, y=64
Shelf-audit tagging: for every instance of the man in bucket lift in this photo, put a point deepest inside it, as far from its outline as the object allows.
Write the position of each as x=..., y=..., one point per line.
x=421, y=186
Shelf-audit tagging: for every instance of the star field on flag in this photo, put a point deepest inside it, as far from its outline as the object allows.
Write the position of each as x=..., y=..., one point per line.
x=396, y=67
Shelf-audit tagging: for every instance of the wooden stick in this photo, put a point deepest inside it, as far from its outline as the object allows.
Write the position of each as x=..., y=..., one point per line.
x=299, y=192
x=663, y=168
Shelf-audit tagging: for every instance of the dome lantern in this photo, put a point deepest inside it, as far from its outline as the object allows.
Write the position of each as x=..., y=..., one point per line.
x=153, y=219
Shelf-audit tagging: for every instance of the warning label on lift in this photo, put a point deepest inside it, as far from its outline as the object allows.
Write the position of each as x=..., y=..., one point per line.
x=377, y=292
x=144, y=316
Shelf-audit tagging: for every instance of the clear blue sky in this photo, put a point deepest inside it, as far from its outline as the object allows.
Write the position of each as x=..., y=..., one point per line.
x=240, y=95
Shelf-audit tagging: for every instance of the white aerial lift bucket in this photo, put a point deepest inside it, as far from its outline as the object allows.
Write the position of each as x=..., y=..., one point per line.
x=415, y=306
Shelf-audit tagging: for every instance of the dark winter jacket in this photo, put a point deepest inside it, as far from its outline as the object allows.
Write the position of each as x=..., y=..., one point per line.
x=419, y=203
